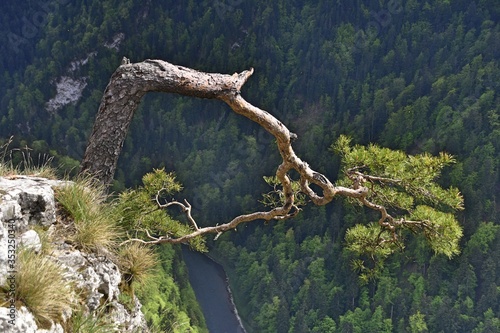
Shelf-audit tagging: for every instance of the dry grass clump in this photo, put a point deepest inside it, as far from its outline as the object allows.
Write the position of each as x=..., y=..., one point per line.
x=19, y=161
x=41, y=287
x=138, y=263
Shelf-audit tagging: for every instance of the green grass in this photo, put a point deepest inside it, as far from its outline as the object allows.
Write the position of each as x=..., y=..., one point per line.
x=82, y=322
x=45, y=239
x=94, y=222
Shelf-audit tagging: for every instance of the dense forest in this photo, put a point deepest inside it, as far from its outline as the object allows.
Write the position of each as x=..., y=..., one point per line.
x=419, y=76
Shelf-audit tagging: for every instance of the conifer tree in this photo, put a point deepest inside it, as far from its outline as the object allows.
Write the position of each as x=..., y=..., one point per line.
x=402, y=190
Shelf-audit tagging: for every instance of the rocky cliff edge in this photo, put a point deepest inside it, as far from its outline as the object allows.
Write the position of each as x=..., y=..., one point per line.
x=27, y=207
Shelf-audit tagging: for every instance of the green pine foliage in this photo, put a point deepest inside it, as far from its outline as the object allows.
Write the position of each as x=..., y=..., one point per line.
x=139, y=212
x=406, y=186
x=404, y=180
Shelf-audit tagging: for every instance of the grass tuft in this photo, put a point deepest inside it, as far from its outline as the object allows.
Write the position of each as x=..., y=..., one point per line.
x=45, y=239
x=138, y=263
x=95, y=225
x=82, y=322
x=41, y=287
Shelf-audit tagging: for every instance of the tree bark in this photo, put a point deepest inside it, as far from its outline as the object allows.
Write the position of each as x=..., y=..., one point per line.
x=123, y=94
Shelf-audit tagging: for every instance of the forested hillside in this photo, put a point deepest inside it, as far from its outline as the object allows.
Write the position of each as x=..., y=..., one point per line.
x=411, y=75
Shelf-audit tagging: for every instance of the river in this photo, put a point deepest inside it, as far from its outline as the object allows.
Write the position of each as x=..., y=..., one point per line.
x=210, y=285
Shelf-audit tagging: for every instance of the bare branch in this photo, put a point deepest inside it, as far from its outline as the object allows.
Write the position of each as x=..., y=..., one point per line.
x=186, y=208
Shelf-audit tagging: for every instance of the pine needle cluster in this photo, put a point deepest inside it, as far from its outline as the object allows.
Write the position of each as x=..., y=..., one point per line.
x=406, y=189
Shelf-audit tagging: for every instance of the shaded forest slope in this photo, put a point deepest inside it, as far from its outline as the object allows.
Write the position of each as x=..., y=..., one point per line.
x=412, y=75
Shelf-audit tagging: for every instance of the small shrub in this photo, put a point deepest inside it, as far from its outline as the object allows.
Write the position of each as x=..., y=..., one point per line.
x=137, y=210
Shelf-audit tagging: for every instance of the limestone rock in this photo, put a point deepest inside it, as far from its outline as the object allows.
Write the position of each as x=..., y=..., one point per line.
x=24, y=322
x=28, y=200
x=31, y=240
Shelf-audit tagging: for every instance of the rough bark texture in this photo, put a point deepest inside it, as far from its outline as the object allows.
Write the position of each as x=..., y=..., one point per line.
x=121, y=98
x=128, y=85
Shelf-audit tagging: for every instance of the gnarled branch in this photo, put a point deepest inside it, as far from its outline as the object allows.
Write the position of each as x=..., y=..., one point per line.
x=131, y=81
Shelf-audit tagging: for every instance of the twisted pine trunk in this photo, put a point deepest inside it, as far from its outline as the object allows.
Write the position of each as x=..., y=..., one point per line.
x=123, y=94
